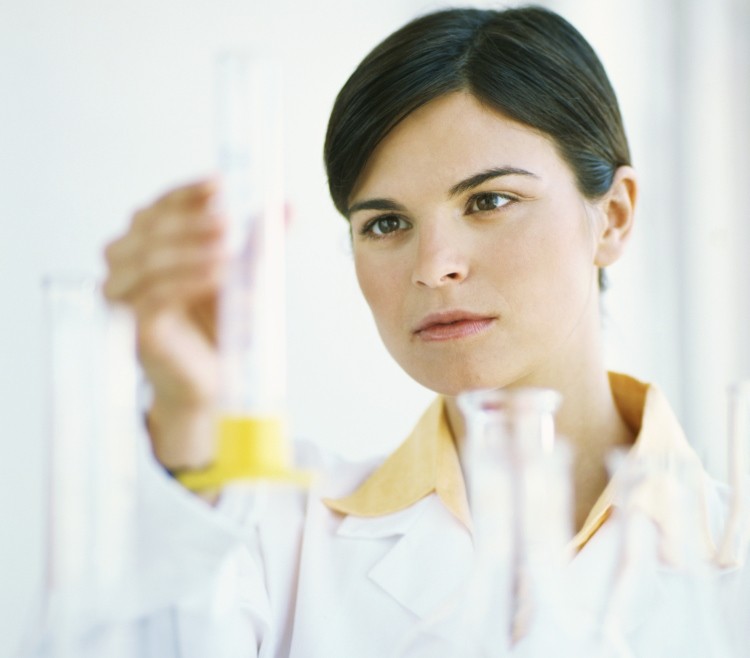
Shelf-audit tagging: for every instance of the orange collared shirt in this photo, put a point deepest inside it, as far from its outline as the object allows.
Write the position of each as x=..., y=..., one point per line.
x=427, y=462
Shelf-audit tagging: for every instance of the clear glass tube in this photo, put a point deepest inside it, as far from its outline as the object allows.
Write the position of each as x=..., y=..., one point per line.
x=520, y=495
x=661, y=500
x=518, y=483
x=92, y=415
x=252, y=338
x=734, y=543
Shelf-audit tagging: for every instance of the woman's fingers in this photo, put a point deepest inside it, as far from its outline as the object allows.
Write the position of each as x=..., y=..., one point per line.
x=179, y=236
x=176, y=208
x=197, y=193
x=172, y=273
x=183, y=286
x=168, y=267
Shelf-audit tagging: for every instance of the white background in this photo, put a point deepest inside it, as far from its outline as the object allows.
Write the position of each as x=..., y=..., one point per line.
x=104, y=105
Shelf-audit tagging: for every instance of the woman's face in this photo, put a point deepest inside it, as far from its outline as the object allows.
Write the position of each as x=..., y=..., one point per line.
x=475, y=250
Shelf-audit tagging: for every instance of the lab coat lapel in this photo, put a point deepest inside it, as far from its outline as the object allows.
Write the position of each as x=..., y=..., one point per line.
x=428, y=566
x=429, y=562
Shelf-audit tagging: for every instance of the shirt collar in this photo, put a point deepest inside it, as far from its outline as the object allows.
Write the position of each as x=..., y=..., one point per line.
x=427, y=462
x=645, y=410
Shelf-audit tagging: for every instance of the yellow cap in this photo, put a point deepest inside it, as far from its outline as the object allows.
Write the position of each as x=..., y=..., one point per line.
x=248, y=448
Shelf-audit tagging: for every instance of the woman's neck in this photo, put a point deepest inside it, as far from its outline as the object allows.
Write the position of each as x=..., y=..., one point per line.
x=589, y=419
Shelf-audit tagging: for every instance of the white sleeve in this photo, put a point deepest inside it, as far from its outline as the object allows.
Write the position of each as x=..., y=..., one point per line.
x=182, y=542
x=194, y=583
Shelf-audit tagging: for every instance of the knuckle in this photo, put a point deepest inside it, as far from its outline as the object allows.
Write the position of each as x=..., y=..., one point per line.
x=113, y=289
x=141, y=218
x=109, y=252
x=112, y=251
x=108, y=290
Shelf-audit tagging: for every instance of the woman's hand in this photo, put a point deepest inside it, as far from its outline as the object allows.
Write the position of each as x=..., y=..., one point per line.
x=168, y=268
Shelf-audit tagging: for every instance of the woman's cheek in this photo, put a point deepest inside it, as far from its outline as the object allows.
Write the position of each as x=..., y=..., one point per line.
x=373, y=282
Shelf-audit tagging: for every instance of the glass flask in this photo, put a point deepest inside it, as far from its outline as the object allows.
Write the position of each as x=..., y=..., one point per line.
x=92, y=416
x=517, y=475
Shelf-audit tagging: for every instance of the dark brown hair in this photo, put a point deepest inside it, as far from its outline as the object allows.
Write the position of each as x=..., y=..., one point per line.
x=528, y=63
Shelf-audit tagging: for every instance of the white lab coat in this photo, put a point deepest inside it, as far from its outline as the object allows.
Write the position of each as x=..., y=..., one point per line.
x=276, y=573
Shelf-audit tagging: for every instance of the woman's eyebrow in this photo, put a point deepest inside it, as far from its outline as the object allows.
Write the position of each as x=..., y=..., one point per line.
x=374, y=204
x=477, y=179
x=458, y=188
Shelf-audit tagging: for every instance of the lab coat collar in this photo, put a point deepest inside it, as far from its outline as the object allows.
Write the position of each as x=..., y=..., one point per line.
x=418, y=496
x=433, y=547
x=428, y=567
x=437, y=553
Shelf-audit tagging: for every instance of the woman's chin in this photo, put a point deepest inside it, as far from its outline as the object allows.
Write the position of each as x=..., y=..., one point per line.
x=452, y=383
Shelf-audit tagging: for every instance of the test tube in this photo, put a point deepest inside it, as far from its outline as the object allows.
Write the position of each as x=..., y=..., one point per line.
x=251, y=410
x=736, y=533
x=518, y=481
x=92, y=416
x=519, y=490
x=661, y=499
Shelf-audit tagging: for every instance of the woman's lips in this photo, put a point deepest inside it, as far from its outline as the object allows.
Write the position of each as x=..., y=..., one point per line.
x=452, y=326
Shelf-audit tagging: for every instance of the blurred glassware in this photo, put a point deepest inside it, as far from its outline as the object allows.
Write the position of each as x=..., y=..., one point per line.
x=251, y=431
x=517, y=474
x=249, y=151
x=92, y=416
x=736, y=538
x=662, y=501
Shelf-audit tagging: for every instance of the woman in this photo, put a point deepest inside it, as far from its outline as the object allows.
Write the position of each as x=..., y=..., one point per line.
x=481, y=161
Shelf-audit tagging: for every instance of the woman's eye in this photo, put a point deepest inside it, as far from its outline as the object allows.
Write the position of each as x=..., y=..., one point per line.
x=381, y=226
x=488, y=201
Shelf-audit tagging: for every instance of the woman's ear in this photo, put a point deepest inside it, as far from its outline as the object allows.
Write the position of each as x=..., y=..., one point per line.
x=617, y=209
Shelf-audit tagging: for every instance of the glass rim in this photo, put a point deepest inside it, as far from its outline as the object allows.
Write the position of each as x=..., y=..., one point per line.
x=502, y=400
x=70, y=280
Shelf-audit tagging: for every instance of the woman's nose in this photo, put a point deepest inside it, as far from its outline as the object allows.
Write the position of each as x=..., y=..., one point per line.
x=439, y=259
